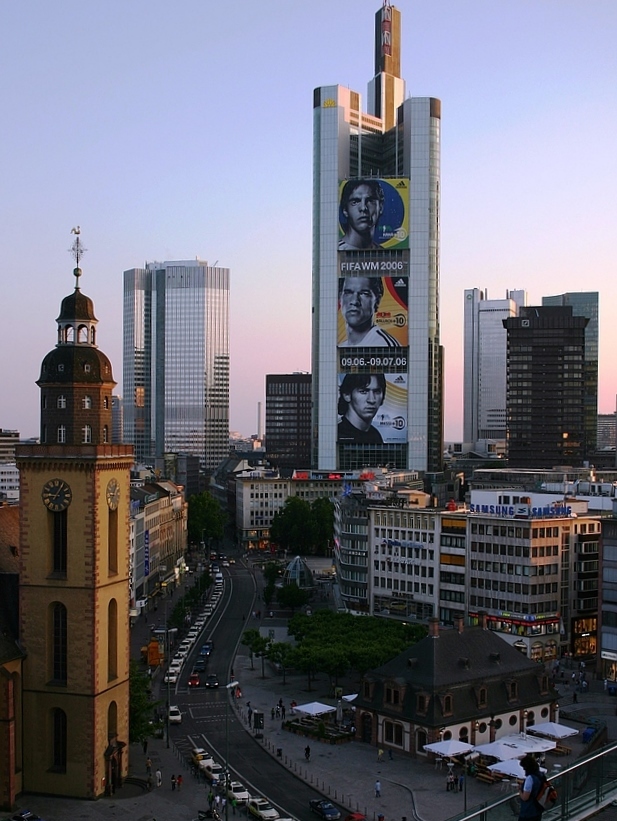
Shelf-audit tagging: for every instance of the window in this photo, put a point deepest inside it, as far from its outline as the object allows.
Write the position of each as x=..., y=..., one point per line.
x=59, y=737
x=112, y=640
x=86, y=402
x=86, y=434
x=58, y=643
x=61, y=402
x=61, y=435
x=105, y=434
x=112, y=541
x=59, y=542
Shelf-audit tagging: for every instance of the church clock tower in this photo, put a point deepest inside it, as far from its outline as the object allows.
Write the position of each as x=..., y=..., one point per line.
x=74, y=576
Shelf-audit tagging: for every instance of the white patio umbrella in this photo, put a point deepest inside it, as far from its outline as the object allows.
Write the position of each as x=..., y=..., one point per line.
x=551, y=729
x=511, y=767
x=350, y=697
x=314, y=708
x=497, y=749
x=448, y=748
x=529, y=744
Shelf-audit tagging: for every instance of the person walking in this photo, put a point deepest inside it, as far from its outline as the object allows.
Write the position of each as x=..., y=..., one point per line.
x=179, y=782
x=173, y=783
x=223, y=803
x=530, y=809
x=148, y=766
x=210, y=798
x=283, y=712
x=380, y=754
x=234, y=804
x=378, y=789
x=159, y=777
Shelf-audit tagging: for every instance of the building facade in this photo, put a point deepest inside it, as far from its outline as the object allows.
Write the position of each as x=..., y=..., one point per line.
x=546, y=410
x=485, y=361
x=74, y=573
x=176, y=360
x=288, y=420
x=585, y=304
x=377, y=359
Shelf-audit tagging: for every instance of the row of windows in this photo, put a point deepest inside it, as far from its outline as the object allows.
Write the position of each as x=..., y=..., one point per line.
x=412, y=569
x=86, y=434
x=86, y=402
x=412, y=587
x=525, y=608
x=515, y=569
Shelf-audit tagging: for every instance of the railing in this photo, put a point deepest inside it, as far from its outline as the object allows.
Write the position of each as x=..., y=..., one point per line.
x=582, y=789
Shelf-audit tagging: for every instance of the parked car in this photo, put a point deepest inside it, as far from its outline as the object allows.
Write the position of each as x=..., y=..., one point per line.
x=239, y=792
x=215, y=772
x=261, y=808
x=175, y=716
x=212, y=680
x=171, y=676
x=194, y=679
x=324, y=809
x=201, y=758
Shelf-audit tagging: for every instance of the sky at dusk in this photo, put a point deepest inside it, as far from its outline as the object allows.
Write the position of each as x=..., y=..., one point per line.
x=174, y=131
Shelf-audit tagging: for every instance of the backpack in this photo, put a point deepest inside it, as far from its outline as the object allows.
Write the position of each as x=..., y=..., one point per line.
x=546, y=797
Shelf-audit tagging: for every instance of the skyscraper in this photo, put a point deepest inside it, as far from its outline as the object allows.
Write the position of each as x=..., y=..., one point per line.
x=377, y=361
x=585, y=303
x=176, y=360
x=484, y=385
x=546, y=388
x=288, y=420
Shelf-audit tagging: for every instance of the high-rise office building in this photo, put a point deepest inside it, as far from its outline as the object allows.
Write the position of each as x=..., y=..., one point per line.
x=585, y=303
x=484, y=383
x=176, y=360
x=377, y=361
x=288, y=420
x=546, y=388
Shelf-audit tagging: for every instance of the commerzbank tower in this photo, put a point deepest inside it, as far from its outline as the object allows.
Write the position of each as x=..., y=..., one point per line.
x=377, y=361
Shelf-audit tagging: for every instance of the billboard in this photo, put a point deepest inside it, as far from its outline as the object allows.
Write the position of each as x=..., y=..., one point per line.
x=372, y=408
x=373, y=214
x=372, y=312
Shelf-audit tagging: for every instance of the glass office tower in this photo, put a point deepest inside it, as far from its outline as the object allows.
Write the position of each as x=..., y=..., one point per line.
x=376, y=358
x=176, y=360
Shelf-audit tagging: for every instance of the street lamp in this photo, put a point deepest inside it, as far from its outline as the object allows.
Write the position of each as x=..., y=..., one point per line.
x=231, y=686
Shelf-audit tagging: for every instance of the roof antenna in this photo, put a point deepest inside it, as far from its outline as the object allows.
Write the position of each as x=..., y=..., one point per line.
x=77, y=250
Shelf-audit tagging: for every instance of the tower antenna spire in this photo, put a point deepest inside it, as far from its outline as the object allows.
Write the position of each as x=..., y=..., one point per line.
x=77, y=250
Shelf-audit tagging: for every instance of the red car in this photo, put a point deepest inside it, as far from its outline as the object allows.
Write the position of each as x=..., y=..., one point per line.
x=194, y=680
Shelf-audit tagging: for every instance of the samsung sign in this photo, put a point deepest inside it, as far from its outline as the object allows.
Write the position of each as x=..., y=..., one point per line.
x=509, y=511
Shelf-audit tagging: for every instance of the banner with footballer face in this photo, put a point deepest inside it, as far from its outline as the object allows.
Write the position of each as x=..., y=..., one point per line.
x=372, y=408
x=373, y=214
x=372, y=312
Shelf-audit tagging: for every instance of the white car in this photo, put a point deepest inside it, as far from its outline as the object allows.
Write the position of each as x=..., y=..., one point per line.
x=194, y=633
x=239, y=792
x=182, y=651
x=176, y=665
x=215, y=772
x=171, y=676
x=262, y=809
x=201, y=758
x=175, y=716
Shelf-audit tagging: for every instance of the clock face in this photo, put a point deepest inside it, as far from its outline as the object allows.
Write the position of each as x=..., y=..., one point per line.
x=56, y=495
x=113, y=494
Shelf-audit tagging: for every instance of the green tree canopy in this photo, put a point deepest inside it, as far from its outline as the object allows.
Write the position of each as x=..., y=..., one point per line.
x=293, y=526
x=281, y=652
x=205, y=518
x=140, y=706
x=337, y=642
x=290, y=595
x=323, y=518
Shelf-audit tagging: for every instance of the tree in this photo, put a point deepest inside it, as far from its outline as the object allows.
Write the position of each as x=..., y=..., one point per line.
x=140, y=706
x=323, y=522
x=252, y=640
x=293, y=526
x=281, y=653
x=290, y=595
x=205, y=518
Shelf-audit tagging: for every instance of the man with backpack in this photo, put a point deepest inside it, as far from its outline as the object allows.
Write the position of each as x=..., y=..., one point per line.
x=536, y=793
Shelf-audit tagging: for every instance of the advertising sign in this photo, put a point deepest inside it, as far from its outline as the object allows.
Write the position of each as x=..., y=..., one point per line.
x=372, y=312
x=373, y=214
x=372, y=408
x=146, y=553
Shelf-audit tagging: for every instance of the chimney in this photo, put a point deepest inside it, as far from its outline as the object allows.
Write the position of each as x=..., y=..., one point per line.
x=433, y=627
x=459, y=622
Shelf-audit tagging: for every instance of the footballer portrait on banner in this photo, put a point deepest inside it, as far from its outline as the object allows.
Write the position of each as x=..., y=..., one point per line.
x=372, y=408
x=372, y=312
x=373, y=214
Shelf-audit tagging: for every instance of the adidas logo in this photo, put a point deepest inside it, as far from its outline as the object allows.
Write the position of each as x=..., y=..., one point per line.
x=400, y=380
